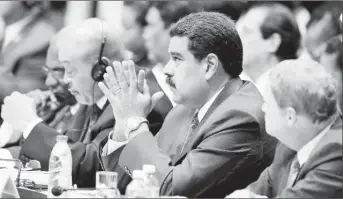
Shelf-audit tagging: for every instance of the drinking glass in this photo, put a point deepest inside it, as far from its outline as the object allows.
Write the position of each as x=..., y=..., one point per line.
x=106, y=184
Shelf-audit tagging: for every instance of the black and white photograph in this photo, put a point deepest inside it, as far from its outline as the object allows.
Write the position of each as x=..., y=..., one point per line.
x=171, y=99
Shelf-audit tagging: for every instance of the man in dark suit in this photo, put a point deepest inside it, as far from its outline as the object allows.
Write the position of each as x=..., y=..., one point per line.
x=301, y=111
x=55, y=106
x=212, y=142
x=78, y=51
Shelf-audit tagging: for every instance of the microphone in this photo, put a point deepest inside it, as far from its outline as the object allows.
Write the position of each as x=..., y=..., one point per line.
x=18, y=162
x=58, y=190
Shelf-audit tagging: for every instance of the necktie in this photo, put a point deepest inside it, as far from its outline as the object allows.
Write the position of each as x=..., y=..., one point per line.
x=293, y=172
x=190, y=133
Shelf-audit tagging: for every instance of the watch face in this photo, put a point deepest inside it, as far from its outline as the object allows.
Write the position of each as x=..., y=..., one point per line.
x=132, y=123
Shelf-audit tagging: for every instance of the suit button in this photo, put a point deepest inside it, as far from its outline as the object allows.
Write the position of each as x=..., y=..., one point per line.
x=128, y=170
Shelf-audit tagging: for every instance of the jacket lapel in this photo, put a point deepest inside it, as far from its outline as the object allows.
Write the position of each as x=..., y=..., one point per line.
x=231, y=87
x=316, y=157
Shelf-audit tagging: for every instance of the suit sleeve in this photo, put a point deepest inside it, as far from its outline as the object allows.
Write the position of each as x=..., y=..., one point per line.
x=323, y=181
x=263, y=185
x=225, y=150
x=85, y=156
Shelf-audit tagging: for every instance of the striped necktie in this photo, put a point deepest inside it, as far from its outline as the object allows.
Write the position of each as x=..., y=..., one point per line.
x=293, y=172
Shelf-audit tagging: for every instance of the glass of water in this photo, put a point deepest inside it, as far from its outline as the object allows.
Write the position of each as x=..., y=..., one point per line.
x=106, y=184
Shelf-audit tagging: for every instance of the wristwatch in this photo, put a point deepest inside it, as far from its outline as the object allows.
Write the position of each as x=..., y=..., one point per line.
x=133, y=124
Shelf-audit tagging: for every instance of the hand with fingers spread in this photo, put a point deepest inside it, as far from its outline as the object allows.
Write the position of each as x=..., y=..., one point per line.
x=128, y=94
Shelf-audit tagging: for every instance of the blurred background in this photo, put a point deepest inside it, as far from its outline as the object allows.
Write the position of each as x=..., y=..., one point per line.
x=26, y=28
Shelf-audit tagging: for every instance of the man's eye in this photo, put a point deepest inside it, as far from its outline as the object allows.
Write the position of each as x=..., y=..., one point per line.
x=70, y=72
x=176, y=59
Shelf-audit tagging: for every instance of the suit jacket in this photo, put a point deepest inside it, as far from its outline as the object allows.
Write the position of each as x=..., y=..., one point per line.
x=84, y=144
x=230, y=148
x=59, y=119
x=320, y=176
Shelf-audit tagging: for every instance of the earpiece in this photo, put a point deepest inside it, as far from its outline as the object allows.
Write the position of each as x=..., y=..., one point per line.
x=99, y=67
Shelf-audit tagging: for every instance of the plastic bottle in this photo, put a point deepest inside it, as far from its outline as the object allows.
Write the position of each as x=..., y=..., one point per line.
x=151, y=180
x=137, y=187
x=60, y=165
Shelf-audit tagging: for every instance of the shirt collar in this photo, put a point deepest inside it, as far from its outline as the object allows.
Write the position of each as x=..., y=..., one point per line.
x=305, y=151
x=74, y=108
x=206, y=106
x=101, y=102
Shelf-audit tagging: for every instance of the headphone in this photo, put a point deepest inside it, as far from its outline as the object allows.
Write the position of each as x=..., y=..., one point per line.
x=99, y=67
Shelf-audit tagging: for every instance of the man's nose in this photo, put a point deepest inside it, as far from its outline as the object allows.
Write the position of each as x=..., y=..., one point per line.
x=50, y=81
x=167, y=70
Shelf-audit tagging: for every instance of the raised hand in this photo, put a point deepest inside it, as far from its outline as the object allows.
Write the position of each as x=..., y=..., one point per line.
x=19, y=110
x=128, y=93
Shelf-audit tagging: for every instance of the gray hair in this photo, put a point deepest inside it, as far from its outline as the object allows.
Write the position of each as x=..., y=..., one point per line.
x=307, y=87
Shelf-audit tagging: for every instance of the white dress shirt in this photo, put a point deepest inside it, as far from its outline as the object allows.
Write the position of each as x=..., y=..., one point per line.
x=304, y=153
x=112, y=145
x=260, y=83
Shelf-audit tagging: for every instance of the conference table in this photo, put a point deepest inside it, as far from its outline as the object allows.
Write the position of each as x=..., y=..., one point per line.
x=40, y=178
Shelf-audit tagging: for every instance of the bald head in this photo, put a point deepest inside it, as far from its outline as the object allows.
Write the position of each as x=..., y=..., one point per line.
x=78, y=52
x=84, y=40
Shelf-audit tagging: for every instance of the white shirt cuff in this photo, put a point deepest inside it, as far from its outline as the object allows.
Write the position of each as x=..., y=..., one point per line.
x=112, y=145
x=30, y=126
x=6, y=132
x=5, y=154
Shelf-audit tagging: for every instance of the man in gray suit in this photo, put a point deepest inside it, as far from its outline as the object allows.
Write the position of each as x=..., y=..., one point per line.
x=301, y=111
x=214, y=141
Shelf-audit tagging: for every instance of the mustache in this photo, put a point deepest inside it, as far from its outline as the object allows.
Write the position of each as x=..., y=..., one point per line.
x=170, y=82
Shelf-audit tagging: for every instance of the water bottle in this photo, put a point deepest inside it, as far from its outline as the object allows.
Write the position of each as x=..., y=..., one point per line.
x=151, y=180
x=137, y=187
x=60, y=165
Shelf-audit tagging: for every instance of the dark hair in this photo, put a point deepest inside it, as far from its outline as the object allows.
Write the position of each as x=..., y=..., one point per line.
x=334, y=8
x=172, y=11
x=212, y=32
x=280, y=20
x=232, y=9
x=141, y=8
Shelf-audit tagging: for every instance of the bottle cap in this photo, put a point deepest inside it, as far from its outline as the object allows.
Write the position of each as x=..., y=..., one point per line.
x=63, y=138
x=138, y=174
x=148, y=168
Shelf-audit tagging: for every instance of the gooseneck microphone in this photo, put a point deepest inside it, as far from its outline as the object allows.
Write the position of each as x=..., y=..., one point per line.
x=58, y=190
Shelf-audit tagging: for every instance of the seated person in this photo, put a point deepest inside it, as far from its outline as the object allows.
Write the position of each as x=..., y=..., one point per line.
x=27, y=36
x=55, y=106
x=83, y=50
x=213, y=141
x=301, y=111
x=326, y=46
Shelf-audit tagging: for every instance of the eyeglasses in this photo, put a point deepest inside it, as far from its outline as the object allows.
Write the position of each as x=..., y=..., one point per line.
x=56, y=72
